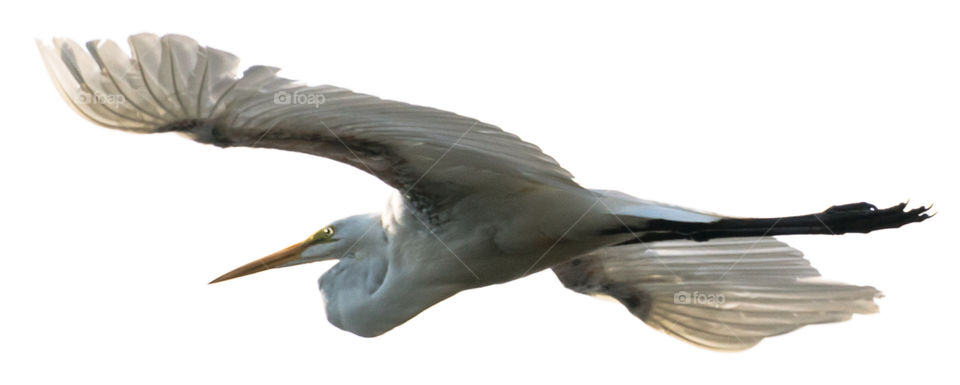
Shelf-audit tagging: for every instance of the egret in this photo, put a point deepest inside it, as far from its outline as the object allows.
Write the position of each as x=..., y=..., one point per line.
x=474, y=205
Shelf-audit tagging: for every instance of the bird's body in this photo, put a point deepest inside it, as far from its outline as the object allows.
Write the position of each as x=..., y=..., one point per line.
x=474, y=206
x=482, y=243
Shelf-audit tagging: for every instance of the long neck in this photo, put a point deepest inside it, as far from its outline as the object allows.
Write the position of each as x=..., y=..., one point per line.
x=370, y=292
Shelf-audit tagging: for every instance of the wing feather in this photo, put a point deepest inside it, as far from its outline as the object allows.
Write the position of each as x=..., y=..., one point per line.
x=172, y=83
x=725, y=294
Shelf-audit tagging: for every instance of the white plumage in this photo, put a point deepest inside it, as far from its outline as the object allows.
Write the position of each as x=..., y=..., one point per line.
x=725, y=294
x=475, y=205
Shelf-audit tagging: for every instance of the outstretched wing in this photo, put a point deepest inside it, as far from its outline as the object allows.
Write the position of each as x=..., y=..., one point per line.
x=724, y=294
x=173, y=84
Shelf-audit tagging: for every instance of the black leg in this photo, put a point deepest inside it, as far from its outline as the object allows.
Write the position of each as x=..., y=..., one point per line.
x=850, y=218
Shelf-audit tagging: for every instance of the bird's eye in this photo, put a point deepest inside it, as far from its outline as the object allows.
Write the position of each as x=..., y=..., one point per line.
x=324, y=234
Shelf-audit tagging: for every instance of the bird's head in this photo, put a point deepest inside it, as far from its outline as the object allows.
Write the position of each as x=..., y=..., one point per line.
x=330, y=242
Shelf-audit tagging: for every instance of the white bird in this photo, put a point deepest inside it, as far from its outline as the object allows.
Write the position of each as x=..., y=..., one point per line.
x=474, y=206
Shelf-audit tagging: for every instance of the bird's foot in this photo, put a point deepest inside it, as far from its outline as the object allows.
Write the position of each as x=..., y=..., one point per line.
x=864, y=217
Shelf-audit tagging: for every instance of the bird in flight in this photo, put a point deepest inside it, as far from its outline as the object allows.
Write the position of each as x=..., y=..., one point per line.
x=474, y=205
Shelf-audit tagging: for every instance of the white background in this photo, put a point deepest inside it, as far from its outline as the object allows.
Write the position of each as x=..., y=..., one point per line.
x=745, y=108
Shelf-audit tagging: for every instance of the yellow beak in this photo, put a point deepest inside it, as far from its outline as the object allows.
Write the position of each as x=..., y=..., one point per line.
x=271, y=261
